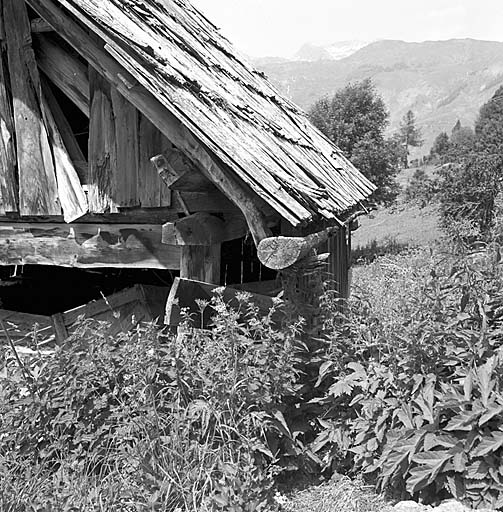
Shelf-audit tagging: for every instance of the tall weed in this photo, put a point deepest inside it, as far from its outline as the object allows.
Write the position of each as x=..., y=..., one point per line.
x=150, y=421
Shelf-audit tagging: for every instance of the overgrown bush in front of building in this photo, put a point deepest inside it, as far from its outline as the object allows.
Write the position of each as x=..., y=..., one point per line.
x=150, y=422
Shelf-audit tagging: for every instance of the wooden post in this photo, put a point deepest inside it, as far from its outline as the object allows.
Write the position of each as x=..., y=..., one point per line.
x=339, y=262
x=201, y=263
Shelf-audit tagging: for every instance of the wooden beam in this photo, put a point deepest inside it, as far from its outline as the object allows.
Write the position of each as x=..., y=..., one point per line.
x=185, y=292
x=8, y=158
x=203, y=229
x=282, y=252
x=87, y=246
x=64, y=70
x=70, y=141
x=159, y=115
x=38, y=25
x=179, y=173
x=38, y=194
x=20, y=326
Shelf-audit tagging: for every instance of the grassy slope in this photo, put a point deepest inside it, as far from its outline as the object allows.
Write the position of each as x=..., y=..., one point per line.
x=403, y=224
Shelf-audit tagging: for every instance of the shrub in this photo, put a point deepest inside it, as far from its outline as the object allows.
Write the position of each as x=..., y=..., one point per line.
x=410, y=388
x=150, y=421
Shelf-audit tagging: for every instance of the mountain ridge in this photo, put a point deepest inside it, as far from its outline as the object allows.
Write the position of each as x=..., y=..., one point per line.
x=440, y=81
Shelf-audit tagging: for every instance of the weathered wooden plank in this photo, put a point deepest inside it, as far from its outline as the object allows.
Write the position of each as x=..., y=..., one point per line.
x=64, y=70
x=38, y=193
x=70, y=192
x=126, y=136
x=20, y=326
x=153, y=192
x=60, y=330
x=157, y=113
x=102, y=147
x=8, y=159
x=185, y=292
x=201, y=262
x=87, y=246
x=70, y=141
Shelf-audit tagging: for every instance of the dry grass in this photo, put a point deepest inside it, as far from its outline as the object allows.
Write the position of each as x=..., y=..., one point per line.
x=338, y=495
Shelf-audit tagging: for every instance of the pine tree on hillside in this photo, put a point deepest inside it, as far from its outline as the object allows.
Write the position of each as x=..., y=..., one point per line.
x=411, y=135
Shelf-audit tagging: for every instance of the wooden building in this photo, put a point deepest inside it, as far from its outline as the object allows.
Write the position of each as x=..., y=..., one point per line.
x=133, y=135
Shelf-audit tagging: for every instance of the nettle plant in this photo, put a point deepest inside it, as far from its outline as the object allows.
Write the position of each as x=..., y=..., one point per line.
x=418, y=405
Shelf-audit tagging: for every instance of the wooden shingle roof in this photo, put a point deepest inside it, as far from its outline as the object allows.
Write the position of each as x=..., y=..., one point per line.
x=181, y=58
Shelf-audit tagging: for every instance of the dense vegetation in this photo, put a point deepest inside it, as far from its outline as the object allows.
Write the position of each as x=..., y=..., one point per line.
x=470, y=172
x=405, y=387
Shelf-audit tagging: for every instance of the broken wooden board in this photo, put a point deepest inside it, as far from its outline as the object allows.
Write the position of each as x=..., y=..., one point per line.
x=185, y=292
x=38, y=191
x=22, y=326
x=87, y=246
x=123, y=311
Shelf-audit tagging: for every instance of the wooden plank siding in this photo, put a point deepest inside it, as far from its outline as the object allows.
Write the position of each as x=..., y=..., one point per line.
x=8, y=158
x=38, y=192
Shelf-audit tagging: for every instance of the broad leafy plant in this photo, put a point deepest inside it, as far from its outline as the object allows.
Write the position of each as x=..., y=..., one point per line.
x=415, y=399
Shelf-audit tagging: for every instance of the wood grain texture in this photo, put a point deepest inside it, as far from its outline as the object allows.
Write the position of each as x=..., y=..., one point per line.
x=38, y=193
x=70, y=141
x=185, y=63
x=102, y=147
x=63, y=70
x=127, y=150
x=70, y=192
x=203, y=229
x=8, y=158
x=159, y=113
x=281, y=252
x=178, y=172
x=201, y=263
x=153, y=192
x=87, y=246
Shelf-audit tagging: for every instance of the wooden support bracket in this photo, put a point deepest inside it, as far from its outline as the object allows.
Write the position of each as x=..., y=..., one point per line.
x=203, y=229
x=179, y=173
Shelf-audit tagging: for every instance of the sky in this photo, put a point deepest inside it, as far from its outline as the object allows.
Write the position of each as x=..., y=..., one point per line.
x=280, y=27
